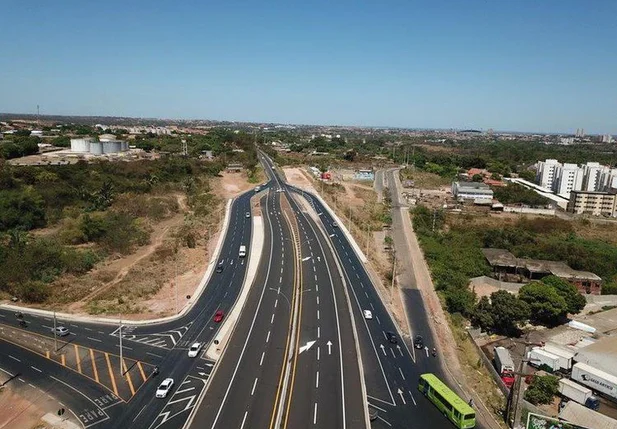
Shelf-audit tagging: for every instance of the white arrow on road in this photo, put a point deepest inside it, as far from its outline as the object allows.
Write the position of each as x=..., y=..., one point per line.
x=400, y=392
x=426, y=350
x=306, y=259
x=399, y=349
x=332, y=235
x=383, y=349
x=308, y=345
x=329, y=344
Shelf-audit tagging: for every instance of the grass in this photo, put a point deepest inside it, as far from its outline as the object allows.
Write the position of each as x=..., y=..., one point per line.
x=424, y=180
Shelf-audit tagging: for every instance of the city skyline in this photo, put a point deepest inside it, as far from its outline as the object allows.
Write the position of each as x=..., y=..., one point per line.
x=542, y=68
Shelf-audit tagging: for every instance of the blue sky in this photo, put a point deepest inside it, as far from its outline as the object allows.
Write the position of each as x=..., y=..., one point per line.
x=522, y=65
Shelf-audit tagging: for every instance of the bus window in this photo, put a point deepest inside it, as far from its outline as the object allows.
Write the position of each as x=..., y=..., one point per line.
x=422, y=385
x=471, y=416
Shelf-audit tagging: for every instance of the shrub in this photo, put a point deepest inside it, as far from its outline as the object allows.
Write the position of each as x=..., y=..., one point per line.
x=542, y=389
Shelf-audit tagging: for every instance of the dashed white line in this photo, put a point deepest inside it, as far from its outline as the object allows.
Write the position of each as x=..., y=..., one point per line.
x=268, y=337
x=254, y=385
x=317, y=380
x=318, y=332
x=412, y=398
x=317, y=314
x=244, y=419
x=401, y=371
x=317, y=299
x=95, y=339
x=318, y=352
x=315, y=415
x=14, y=358
x=276, y=303
x=261, y=361
x=35, y=368
x=272, y=318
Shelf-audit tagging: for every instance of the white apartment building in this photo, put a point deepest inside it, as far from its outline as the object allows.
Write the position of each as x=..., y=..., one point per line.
x=568, y=177
x=546, y=173
x=591, y=176
x=608, y=179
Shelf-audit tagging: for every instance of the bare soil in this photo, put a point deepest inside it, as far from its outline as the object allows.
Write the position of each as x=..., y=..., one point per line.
x=142, y=285
x=25, y=408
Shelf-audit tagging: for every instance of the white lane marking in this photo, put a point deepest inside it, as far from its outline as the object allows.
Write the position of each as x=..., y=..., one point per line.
x=244, y=419
x=124, y=347
x=254, y=386
x=385, y=421
x=317, y=314
x=74, y=326
x=35, y=368
x=261, y=361
x=268, y=337
x=317, y=380
x=14, y=358
x=412, y=398
x=377, y=317
x=88, y=329
x=95, y=339
x=316, y=288
x=401, y=371
x=372, y=306
x=318, y=332
x=318, y=352
x=276, y=303
x=315, y=277
x=185, y=390
x=153, y=354
x=317, y=299
x=315, y=415
x=272, y=318
x=393, y=355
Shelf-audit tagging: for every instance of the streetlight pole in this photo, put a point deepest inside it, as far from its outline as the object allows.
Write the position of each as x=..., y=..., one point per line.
x=120, y=337
x=55, y=337
x=393, y=267
x=176, y=282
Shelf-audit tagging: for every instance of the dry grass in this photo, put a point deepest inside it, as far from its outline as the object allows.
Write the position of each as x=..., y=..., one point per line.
x=424, y=180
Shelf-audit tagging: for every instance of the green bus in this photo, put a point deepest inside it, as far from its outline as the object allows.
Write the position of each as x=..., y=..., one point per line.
x=448, y=402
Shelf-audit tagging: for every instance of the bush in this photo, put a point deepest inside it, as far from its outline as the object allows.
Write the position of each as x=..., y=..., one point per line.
x=33, y=291
x=542, y=389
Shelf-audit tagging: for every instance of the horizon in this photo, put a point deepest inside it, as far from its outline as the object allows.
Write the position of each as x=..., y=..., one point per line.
x=547, y=67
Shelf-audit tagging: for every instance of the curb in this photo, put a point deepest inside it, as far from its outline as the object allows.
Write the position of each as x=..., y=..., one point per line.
x=107, y=321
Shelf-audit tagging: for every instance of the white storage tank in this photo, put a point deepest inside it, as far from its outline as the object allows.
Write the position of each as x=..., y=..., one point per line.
x=107, y=137
x=81, y=145
x=96, y=148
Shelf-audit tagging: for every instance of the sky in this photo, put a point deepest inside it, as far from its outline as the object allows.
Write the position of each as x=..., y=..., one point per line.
x=523, y=65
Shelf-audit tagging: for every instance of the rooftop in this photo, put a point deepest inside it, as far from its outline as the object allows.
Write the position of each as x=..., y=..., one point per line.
x=602, y=354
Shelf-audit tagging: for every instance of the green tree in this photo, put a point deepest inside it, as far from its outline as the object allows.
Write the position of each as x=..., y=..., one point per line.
x=546, y=305
x=482, y=315
x=477, y=178
x=575, y=301
x=542, y=389
x=507, y=312
x=460, y=300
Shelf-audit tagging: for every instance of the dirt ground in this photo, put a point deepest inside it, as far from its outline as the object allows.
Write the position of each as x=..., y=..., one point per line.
x=20, y=412
x=155, y=266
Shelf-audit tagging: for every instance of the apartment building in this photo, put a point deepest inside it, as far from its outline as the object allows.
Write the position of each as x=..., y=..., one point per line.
x=562, y=179
x=546, y=173
x=593, y=203
x=568, y=178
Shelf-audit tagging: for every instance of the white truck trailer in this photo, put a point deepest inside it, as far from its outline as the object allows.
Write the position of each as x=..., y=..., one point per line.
x=502, y=360
x=543, y=360
x=564, y=354
x=595, y=379
x=578, y=393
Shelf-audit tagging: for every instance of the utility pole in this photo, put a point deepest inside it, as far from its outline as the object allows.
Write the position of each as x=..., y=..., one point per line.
x=349, y=222
x=393, y=267
x=368, y=236
x=176, y=281
x=120, y=337
x=55, y=336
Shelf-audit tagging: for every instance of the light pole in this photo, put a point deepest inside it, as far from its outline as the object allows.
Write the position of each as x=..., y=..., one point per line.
x=120, y=337
x=517, y=389
x=393, y=267
x=55, y=337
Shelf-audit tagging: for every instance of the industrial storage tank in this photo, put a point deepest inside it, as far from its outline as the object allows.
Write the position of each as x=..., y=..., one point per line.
x=125, y=146
x=81, y=144
x=108, y=146
x=96, y=148
x=107, y=137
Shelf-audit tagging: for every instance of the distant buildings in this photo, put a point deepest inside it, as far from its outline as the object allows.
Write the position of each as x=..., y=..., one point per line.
x=105, y=145
x=565, y=178
x=593, y=203
x=478, y=192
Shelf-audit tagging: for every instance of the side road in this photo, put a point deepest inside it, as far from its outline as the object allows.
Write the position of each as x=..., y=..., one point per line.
x=414, y=274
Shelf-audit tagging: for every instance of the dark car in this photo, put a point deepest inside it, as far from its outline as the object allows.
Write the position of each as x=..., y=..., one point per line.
x=418, y=342
x=219, y=267
x=392, y=337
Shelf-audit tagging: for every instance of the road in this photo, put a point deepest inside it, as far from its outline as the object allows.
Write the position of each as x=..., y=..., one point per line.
x=89, y=356
x=250, y=388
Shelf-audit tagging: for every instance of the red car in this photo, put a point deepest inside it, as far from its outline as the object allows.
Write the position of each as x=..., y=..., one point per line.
x=218, y=316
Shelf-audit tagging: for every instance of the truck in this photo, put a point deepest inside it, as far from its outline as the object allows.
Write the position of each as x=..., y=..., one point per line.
x=595, y=379
x=502, y=360
x=564, y=354
x=543, y=360
x=581, y=394
x=242, y=252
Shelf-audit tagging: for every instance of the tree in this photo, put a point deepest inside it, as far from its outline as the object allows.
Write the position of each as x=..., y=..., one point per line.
x=477, y=178
x=507, y=311
x=546, y=305
x=542, y=389
x=482, y=315
x=575, y=301
x=460, y=300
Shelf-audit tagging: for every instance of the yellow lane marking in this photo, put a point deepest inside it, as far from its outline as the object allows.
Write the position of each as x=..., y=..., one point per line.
x=141, y=371
x=127, y=374
x=63, y=359
x=96, y=372
x=77, y=357
x=111, y=375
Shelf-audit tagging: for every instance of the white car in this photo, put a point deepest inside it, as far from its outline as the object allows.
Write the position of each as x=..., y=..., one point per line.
x=247, y=214
x=368, y=314
x=165, y=388
x=60, y=331
x=194, y=350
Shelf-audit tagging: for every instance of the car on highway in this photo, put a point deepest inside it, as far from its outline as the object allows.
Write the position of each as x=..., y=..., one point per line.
x=164, y=388
x=219, y=267
x=247, y=214
x=391, y=336
x=418, y=342
x=195, y=349
x=367, y=314
x=61, y=331
x=334, y=225
x=218, y=316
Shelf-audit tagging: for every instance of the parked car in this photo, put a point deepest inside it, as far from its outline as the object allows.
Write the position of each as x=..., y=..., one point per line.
x=164, y=388
x=368, y=314
x=195, y=349
x=392, y=337
x=418, y=342
x=218, y=316
x=61, y=331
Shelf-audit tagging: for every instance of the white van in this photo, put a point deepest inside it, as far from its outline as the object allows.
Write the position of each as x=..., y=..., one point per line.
x=242, y=252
